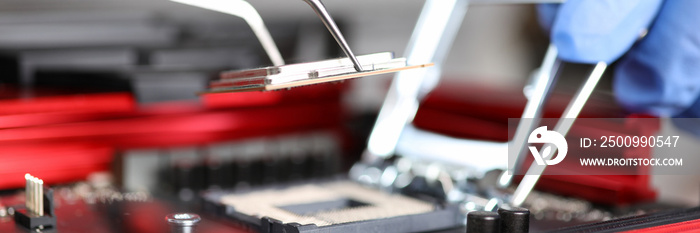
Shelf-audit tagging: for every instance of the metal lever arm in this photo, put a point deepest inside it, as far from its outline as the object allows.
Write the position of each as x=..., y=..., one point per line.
x=246, y=11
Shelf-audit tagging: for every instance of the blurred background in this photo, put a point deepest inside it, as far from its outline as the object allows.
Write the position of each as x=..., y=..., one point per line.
x=501, y=42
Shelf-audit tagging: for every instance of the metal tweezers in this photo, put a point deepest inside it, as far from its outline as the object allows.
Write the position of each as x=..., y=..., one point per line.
x=322, y=13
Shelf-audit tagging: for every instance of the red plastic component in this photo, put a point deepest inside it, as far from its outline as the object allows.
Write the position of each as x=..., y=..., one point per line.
x=93, y=103
x=53, y=162
x=65, y=138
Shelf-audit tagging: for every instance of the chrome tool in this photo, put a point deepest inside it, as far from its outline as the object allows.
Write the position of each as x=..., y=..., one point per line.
x=322, y=13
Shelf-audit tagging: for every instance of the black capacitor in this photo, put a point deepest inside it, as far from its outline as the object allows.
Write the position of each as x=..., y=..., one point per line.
x=483, y=222
x=514, y=219
x=219, y=175
x=182, y=175
x=296, y=167
x=311, y=169
x=243, y=170
x=197, y=179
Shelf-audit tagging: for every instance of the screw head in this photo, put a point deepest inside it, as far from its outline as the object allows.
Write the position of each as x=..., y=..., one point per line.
x=183, y=219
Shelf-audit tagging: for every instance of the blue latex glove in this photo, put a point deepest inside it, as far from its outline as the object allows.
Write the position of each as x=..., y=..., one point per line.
x=659, y=74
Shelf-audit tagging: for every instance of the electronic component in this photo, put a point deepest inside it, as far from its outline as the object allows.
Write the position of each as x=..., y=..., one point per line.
x=506, y=220
x=39, y=213
x=288, y=76
x=483, y=222
x=514, y=220
x=334, y=206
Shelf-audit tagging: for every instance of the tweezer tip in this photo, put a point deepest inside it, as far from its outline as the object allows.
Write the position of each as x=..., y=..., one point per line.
x=358, y=68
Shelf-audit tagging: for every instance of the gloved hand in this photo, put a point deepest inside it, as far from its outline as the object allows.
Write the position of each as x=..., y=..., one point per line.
x=658, y=74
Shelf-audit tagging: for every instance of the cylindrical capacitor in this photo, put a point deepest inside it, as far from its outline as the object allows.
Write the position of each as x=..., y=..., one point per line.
x=514, y=219
x=483, y=222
